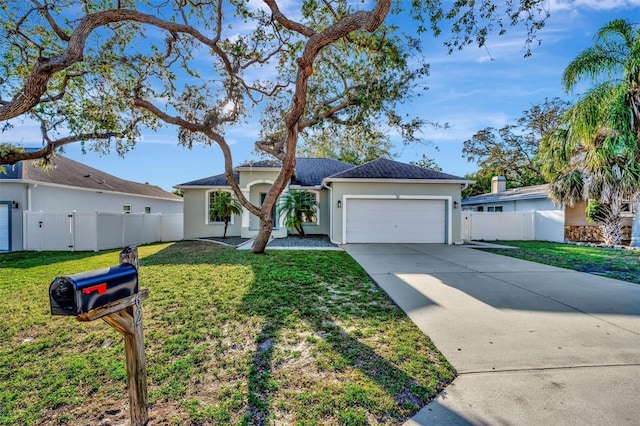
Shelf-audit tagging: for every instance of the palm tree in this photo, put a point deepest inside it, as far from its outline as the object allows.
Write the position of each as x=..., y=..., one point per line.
x=595, y=153
x=298, y=207
x=222, y=206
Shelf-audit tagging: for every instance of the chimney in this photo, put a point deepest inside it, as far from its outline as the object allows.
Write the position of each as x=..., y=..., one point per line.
x=498, y=184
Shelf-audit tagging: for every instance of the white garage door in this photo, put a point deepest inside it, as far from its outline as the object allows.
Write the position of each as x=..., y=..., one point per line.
x=395, y=221
x=4, y=227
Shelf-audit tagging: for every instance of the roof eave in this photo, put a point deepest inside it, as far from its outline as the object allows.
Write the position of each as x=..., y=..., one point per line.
x=392, y=180
x=104, y=191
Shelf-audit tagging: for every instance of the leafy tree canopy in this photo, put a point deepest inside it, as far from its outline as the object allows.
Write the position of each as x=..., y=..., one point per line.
x=100, y=71
x=512, y=151
x=594, y=155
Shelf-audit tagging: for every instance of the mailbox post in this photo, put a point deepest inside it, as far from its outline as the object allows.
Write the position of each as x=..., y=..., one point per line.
x=113, y=295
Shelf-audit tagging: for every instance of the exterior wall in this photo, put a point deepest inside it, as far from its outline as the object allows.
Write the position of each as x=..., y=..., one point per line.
x=196, y=223
x=340, y=189
x=322, y=227
x=196, y=210
x=55, y=199
x=578, y=228
x=15, y=192
x=537, y=204
x=518, y=205
x=248, y=177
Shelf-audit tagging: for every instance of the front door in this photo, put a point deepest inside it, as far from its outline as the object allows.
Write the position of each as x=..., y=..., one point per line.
x=274, y=216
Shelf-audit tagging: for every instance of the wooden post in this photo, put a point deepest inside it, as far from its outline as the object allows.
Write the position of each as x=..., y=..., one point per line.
x=125, y=316
x=128, y=322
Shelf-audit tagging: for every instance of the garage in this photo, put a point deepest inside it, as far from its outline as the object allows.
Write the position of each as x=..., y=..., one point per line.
x=4, y=227
x=391, y=220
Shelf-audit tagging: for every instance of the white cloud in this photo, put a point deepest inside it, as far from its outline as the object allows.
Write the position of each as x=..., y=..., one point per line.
x=556, y=5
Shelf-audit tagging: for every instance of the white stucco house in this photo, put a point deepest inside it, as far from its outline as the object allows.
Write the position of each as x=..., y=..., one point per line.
x=68, y=189
x=382, y=201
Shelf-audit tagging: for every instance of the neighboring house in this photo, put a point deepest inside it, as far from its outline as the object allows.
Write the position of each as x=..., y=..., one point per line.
x=69, y=186
x=380, y=201
x=514, y=200
x=536, y=198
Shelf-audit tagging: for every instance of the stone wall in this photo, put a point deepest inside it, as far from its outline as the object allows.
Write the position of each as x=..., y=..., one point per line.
x=591, y=233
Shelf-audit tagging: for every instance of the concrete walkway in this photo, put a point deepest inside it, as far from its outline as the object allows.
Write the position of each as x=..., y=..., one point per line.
x=532, y=344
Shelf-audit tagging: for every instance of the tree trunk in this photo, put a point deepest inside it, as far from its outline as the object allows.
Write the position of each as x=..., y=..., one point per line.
x=612, y=228
x=226, y=224
x=261, y=241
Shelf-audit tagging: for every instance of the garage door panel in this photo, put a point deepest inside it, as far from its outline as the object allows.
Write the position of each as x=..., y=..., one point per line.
x=395, y=221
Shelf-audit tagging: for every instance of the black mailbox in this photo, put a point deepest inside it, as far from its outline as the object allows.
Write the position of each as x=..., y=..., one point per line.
x=80, y=293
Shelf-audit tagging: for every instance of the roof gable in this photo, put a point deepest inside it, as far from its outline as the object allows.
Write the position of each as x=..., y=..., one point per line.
x=67, y=172
x=383, y=168
x=311, y=171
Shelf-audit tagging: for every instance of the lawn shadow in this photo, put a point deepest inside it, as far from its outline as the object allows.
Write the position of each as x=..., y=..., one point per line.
x=281, y=301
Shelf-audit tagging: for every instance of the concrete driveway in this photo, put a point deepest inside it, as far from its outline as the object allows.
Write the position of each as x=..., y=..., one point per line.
x=532, y=344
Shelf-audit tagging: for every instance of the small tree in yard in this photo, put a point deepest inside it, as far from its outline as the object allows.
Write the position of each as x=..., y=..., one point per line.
x=222, y=206
x=298, y=207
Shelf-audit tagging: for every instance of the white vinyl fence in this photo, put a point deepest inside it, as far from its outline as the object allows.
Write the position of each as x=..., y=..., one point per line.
x=544, y=225
x=94, y=231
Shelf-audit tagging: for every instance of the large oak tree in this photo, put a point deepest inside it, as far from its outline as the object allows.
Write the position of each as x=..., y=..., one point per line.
x=100, y=72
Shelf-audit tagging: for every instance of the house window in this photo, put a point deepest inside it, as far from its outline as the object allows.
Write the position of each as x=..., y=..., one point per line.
x=147, y=209
x=494, y=208
x=627, y=209
x=126, y=208
x=216, y=219
x=480, y=209
x=312, y=217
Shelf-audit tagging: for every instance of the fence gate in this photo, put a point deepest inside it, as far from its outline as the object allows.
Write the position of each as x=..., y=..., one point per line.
x=48, y=231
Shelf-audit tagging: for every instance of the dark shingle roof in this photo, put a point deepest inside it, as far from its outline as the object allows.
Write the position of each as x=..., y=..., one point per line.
x=65, y=171
x=263, y=164
x=383, y=168
x=524, y=193
x=311, y=171
x=217, y=180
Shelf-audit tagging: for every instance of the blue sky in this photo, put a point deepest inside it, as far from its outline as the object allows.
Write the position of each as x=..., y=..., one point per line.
x=469, y=90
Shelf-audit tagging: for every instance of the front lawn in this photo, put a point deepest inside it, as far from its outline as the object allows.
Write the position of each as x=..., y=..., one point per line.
x=288, y=337
x=619, y=264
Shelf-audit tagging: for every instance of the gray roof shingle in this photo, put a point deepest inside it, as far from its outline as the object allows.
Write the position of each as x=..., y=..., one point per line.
x=311, y=171
x=217, y=180
x=383, y=168
x=65, y=171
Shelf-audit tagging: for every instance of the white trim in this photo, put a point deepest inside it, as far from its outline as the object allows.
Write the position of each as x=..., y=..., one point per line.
x=448, y=207
x=391, y=180
x=207, y=204
x=257, y=182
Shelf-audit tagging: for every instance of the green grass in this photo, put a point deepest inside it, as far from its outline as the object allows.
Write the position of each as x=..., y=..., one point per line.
x=619, y=264
x=288, y=337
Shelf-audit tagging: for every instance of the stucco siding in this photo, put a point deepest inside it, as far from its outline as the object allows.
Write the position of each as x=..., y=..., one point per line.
x=15, y=192
x=61, y=200
x=248, y=176
x=341, y=190
x=196, y=223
